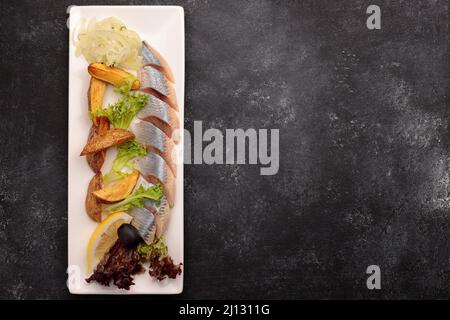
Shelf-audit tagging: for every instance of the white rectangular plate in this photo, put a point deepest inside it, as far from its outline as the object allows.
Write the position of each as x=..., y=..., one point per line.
x=163, y=28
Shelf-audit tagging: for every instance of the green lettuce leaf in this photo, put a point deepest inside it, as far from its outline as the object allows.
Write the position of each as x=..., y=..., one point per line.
x=126, y=152
x=157, y=250
x=121, y=113
x=137, y=199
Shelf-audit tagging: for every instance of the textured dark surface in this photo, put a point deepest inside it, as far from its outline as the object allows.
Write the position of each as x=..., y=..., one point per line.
x=364, y=168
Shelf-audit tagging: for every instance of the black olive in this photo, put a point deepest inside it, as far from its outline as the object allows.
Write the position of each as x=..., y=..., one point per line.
x=129, y=235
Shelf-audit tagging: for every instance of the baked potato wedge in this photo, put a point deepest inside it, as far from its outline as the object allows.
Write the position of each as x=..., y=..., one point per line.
x=95, y=96
x=112, y=75
x=118, y=190
x=103, y=125
x=92, y=204
x=110, y=138
x=95, y=160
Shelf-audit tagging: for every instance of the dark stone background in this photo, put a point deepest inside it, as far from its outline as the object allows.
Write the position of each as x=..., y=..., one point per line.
x=364, y=168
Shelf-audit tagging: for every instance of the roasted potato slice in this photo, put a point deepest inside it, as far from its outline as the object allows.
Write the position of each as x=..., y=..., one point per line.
x=103, y=125
x=95, y=96
x=92, y=204
x=118, y=190
x=95, y=160
x=112, y=75
x=110, y=138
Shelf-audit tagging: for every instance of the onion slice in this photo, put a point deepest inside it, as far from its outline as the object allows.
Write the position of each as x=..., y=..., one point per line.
x=110, y=42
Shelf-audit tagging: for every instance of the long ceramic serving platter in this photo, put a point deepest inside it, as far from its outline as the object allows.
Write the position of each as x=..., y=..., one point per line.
x=163, y=28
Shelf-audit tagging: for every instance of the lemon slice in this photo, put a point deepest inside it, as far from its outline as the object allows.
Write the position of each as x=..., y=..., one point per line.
x=104, y=237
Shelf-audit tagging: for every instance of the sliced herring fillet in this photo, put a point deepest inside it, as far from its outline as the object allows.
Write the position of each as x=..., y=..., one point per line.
x=156, y=170
x=161, y=115
x=153, y=82
x=151, y=57
x=155, y=140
